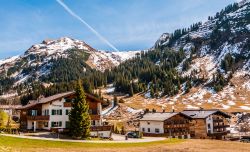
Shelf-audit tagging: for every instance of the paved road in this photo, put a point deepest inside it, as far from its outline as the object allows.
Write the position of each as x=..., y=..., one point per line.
x=117, y=139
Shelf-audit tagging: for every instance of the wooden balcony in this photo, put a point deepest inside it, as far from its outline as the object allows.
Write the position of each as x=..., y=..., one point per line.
x=36, y=118
x=176, y=126
x=221, y=126
x=217, y=120
x=67, y=104
x=95, y=117
x=101, y=128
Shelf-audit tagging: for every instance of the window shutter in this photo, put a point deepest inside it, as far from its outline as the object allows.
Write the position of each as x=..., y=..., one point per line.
x=53, y=112
x=60, y=111
x=52, y=123
x=60, y=124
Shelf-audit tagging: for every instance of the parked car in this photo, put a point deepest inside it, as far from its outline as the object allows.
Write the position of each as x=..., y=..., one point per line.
x=245, y=139
x=132, y=135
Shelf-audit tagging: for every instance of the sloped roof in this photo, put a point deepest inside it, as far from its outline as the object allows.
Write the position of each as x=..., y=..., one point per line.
x=202, y=114
x=158, y=116
x=10, y=106
x=53, y=98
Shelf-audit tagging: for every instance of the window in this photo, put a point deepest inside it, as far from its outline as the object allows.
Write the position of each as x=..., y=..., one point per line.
x=46, y=124
x=157, y=130
x=56, y=111
x=143, y=129
x=33, y=112
x=56, y=124
x=46, y=112
x=148, y=129
x=67, y=112
x=93, y=122
x=208, y=126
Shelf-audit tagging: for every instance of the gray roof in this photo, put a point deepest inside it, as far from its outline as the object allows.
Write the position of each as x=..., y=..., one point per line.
x=202, y=114
x=157, y=116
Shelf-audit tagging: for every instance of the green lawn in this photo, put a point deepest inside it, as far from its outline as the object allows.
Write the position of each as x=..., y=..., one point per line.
x=19, y=144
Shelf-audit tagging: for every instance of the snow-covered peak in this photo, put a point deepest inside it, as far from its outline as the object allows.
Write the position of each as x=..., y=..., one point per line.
x=39, y=58
x=243, y=2
x=49, y=47
x=9, y=60
x=235, y=17
x=164, y=38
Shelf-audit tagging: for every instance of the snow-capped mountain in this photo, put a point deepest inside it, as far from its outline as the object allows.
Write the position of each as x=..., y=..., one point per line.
x=38, y=59
x=207, y=47
x=227, y=32
x=207, y=64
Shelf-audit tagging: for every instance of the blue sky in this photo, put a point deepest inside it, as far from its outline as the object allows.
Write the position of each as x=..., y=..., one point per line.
x=127, y=24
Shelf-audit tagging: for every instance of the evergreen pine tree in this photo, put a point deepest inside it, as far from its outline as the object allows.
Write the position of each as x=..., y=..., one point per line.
x=79, y=116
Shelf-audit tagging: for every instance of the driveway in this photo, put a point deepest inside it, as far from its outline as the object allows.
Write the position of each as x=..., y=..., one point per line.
x=117, y=139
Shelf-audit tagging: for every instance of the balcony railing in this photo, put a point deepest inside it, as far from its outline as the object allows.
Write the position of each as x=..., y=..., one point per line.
x=221, y=126
x=176, y=126
x=95, y=117
x=37, y=117
x=217, y=120
x=101, y=128
x=67, y=104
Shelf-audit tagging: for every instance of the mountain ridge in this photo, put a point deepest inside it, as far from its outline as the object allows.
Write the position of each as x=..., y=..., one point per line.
x=205, y=64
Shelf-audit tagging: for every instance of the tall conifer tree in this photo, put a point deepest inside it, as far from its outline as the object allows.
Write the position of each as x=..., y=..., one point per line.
x=79, y=116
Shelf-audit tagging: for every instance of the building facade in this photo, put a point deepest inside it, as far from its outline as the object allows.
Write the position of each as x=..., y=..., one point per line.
x=11, y=110
x=165, y=125
x=208, y=124
x=52, y=114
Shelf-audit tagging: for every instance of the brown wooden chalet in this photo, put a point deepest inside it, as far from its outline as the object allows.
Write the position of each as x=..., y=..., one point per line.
x=209, y=123
x=165, y=124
